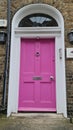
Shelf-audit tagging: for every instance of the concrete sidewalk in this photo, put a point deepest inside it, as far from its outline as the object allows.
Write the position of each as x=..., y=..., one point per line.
x=35, y=122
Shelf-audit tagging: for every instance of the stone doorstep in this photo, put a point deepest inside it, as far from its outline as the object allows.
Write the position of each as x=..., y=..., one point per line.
x=58, y=118
x=51, y=115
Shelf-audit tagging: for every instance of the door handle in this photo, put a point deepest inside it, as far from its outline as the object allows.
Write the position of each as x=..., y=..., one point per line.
x=51, y=77
x=37, y=54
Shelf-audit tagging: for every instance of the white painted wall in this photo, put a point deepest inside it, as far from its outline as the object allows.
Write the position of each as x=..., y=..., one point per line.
x=57, y=33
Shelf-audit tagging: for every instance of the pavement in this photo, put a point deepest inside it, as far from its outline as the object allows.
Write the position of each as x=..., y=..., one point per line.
x=31, y=121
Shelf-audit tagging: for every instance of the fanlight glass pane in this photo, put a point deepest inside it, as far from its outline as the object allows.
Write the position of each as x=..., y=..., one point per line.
x=38, y=20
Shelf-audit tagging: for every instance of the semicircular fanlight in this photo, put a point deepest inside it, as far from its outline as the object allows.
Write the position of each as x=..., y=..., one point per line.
x=38, y=20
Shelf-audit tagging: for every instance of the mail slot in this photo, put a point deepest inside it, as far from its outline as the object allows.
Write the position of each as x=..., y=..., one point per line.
x=37, y=78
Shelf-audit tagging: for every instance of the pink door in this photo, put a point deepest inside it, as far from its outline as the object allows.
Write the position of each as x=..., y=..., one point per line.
x=37, y=75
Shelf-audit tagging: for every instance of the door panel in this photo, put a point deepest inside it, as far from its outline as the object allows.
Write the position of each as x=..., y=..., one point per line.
x=37, y=69
x=45, y=93
x=27, y=53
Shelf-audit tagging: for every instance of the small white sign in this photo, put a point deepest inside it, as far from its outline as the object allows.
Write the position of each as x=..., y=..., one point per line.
x=69, y=52
x=3, y=23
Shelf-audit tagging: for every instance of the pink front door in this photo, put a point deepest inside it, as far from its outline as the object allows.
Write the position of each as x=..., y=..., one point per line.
x=37, y=75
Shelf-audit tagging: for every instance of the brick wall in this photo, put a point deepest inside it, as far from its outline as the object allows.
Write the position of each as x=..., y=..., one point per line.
x=66, y=8
x=3, y=15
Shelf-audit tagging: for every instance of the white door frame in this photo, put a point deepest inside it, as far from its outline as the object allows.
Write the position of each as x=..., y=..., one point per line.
x=35, y=32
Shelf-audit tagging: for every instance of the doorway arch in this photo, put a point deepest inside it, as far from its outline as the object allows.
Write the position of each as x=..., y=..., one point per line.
x=36, y=32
